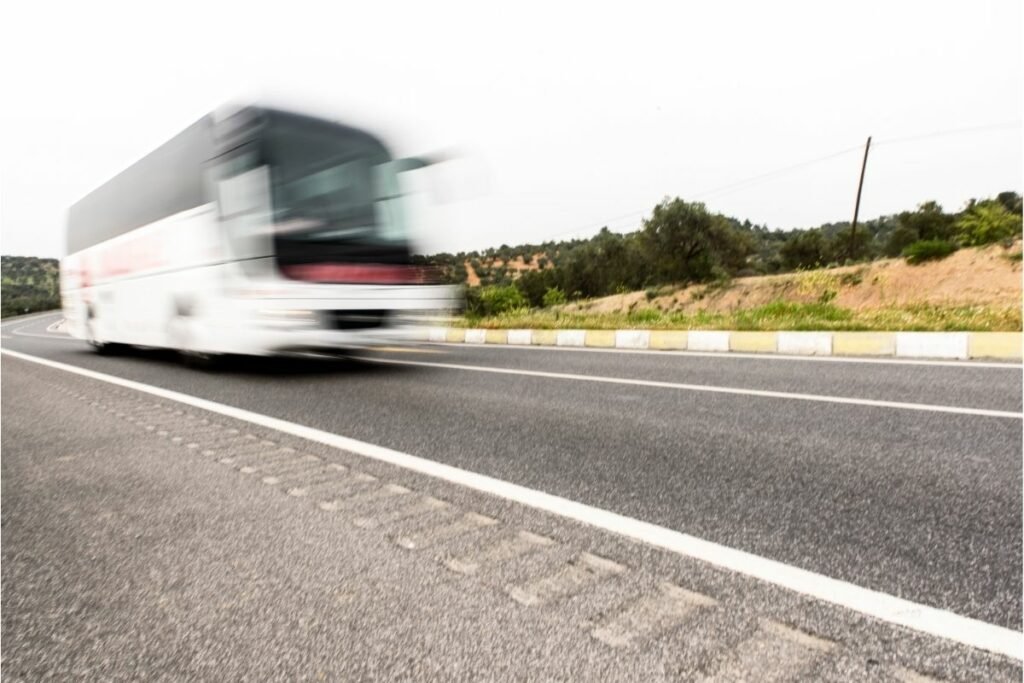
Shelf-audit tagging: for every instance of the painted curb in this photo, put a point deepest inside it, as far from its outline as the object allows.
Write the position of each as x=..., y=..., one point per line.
x=753, y=342
x=602, y=339
x=700, y=340
x=864, y=344
x=996, y=345
x=668, y=340
x=805, y=343
x=934, y=345
x=931, y=345
x=495, y=337
x=571, y=338
x=632, y=339
x=523, y=337
x=544, y=337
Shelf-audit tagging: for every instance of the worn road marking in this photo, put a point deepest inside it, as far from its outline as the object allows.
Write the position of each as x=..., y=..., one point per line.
x=246, y=455
x=241, y=454
x=469, y=522
x=523, y=543
x=579, y=573
x=707, y=388
x=776, y=652
x=888, y=608
x=260, y=462
x=368, y=498
x=420, y=507
x=275, y=473
x=653, y=614
x=301, y=485
x=301, y=473
x=339, y=488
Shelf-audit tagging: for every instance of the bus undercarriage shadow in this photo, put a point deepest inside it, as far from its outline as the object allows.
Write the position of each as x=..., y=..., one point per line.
x=342, y=363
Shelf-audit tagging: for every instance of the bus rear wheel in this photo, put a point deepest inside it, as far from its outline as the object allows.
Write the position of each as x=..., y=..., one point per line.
x=199, y=360
x=100, y=347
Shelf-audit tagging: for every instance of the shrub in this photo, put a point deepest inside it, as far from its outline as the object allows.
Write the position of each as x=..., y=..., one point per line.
x=496, y=300
x=986, y=222
x=928, y=250
x=553, y=297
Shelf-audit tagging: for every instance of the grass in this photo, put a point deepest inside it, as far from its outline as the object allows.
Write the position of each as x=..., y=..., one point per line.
x=778, y=315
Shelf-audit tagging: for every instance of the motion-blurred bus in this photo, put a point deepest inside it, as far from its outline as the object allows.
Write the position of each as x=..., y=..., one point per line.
x=254, y=231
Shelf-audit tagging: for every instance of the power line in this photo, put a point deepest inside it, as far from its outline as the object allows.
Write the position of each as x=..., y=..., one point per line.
x=724, y=189
x=950, y=131
x=777, y=172
x=718, y=189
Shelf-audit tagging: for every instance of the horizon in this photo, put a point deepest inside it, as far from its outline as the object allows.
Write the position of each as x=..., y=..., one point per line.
x=480, y=250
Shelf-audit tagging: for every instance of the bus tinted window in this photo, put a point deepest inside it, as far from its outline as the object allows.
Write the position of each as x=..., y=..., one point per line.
x=330, y=184
x=165, y=182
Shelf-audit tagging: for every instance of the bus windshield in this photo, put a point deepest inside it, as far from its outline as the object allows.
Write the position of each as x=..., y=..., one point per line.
x=331, y=185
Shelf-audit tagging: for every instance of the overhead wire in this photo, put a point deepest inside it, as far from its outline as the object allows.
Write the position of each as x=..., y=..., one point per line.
x=724, y=189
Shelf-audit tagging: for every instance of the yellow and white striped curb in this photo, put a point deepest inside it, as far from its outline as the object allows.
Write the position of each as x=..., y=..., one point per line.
x=945, y=345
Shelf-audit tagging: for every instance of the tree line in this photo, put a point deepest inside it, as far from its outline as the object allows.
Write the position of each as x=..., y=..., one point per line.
x=684, y=243
x=28, y=284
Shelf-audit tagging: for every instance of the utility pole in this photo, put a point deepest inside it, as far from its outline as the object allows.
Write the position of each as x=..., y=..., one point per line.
x=856, y=207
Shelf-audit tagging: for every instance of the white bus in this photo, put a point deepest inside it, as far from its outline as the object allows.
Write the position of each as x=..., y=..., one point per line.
x=257, y=232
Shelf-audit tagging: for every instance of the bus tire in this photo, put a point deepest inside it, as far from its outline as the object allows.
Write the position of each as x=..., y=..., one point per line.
x=197, y=360
x=101, y=348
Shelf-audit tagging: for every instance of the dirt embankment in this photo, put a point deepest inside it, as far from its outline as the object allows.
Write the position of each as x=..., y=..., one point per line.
x=515, y=267
x=985, y=276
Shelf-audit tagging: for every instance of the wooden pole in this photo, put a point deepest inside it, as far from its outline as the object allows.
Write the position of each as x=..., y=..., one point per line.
x=856, y=207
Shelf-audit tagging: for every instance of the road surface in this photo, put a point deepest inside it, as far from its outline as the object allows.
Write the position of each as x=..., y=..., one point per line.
x=901, y=478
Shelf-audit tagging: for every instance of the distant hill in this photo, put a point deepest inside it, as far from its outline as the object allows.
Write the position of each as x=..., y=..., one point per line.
x=28, y=284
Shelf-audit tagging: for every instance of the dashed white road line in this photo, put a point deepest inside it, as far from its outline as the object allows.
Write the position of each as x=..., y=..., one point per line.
x=707, y=388
x=888, y=608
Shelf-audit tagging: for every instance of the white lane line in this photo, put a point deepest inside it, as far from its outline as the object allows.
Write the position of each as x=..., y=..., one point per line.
x=926, y=407
x=888, y=608
x=52, y=336
x=736, y=355
x=28, y=318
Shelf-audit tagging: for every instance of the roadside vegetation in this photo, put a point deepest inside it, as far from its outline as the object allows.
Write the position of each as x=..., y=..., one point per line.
x=28, y=284
x=779, y=315
x=683, y=246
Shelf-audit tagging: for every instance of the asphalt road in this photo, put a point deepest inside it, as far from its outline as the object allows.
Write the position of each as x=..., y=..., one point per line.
x=903, y=499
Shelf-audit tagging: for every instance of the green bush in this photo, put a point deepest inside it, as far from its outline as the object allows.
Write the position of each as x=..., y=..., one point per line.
x=553, y=297
x=986, y=222
x=496, y=300
x=928, y=250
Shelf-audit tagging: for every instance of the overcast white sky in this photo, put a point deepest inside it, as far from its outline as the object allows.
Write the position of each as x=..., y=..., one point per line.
x=572, y=114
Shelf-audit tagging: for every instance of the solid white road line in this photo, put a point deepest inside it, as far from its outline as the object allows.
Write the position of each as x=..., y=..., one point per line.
x=28, y=318
x=52, y=336
x=736, y=355
x=709, y=388
x=889, y=608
